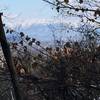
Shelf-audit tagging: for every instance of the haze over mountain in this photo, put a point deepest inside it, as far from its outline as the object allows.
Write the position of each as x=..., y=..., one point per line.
x=45, y=30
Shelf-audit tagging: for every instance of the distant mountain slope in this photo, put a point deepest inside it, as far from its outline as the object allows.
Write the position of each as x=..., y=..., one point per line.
x=44, y=32
x=39, y=31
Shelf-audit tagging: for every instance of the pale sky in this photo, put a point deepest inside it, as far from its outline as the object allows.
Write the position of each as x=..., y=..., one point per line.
x=27, y=9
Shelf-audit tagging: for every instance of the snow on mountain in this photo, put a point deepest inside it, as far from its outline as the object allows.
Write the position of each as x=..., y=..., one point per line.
x=45, y=30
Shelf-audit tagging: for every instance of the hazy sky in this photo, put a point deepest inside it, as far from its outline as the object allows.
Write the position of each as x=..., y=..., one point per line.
x=27, y=9
x=27, y=12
